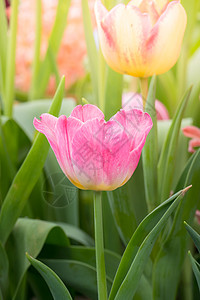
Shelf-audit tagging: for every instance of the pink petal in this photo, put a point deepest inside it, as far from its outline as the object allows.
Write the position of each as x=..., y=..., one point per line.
x=192, y=144
x=100, y=155
x=191, y=131
x=65, y=129
x=162, y=113
x=87, y=112
x=197, y=214
x=134, y=101
x=46, y=125
x=164, y=42
x=136, y=123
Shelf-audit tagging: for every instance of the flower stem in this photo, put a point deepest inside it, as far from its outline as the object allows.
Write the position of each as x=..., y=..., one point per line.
x=144, y=90
x=100, y=261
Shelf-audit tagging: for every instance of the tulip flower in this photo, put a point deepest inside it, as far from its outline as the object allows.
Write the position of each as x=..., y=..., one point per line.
x=194, y=133
x=95, y=154
x=143, y=37
x=132, y=100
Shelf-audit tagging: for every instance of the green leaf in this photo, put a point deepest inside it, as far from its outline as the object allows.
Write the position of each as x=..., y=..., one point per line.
x=170, y=259
x=83, y=254
x=30, y=236
x=91, y=47
x=139, y=248
x=36, y=58
x=12, y=152
x=53, y=47
x=3, y=48
x=194, y=235
x=24, y=113
x=195, y=268
x=150, y=151
x=168, y=154
x=113, y=93
x=123, y=213
x=56, y=286
x=10, y=62
x=4, y=266
x=27, y=175
x=78, y=275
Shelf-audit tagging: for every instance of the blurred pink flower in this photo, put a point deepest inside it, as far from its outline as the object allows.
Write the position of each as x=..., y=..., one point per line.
x=132, y=100
x=95, y=154
x=72, y=50
x=194, y=133
x=197, y=214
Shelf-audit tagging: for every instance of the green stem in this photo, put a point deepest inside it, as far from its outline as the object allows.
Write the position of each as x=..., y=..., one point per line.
x=144, y=90
x=99, y=246
x=10, y=63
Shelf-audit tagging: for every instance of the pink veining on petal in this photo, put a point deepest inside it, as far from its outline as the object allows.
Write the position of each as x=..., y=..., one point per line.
x=87, y=112
x=95, y=154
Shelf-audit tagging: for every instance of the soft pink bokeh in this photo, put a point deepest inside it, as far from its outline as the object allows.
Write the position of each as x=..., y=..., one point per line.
x=132, y=100
x=192, y=132
x=197, y=215
x=70, y=59
x=95, y=154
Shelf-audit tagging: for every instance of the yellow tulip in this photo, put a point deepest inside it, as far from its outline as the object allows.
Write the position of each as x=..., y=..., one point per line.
x=143, y=37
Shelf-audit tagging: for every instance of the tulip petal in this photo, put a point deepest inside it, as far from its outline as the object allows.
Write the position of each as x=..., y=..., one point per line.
x=191, y=132
x=87, y=112
x=192, y=144
x=65, y=129
x=46, y=125
x=136, y=123
x=164, y=43
x=99, y=153
x=123, y=32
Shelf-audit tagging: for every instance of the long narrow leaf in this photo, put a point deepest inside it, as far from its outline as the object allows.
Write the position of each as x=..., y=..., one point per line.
x=54, y=44
x=194, y=235
x=56, y=286
x=132, y=279
x=3, y=47
x=195, y=268
x=36, y=59
x=91, y=47
x=174, y=248
x=143, y=230
x=150, y=151
x=10, y=63
x=27, y=175
x=168, y=154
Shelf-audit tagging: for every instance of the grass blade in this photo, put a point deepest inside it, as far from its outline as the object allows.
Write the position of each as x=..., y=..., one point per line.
x=27, y=175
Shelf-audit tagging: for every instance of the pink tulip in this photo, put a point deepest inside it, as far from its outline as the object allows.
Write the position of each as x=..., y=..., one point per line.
x=134, y=100
x=95, y=154
x=194, y=133
x=143, y=37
